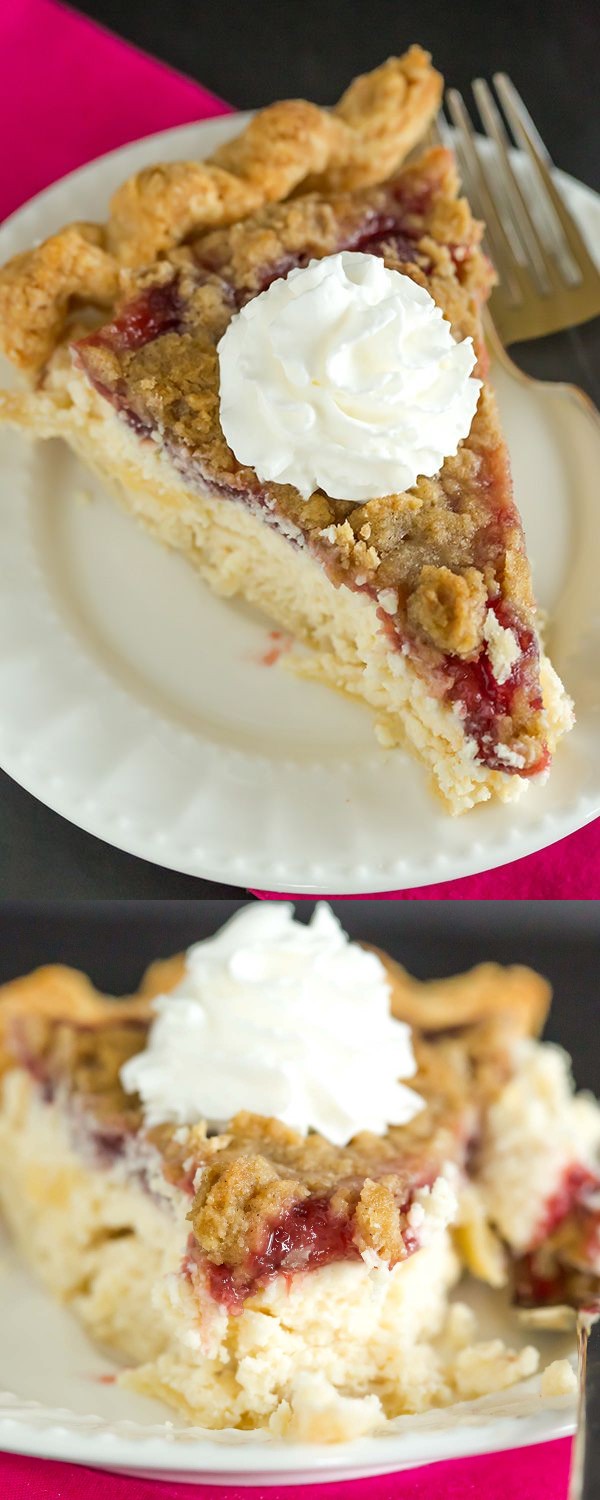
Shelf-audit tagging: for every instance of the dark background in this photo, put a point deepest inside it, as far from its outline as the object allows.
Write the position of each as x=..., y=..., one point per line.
x=253, y=51
x=113, y=941
x=250, y=52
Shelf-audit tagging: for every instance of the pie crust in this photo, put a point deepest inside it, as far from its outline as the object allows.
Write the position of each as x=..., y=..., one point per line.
x=287, y=147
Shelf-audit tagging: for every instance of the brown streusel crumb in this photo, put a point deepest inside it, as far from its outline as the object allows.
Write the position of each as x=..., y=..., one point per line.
x=75, y=1041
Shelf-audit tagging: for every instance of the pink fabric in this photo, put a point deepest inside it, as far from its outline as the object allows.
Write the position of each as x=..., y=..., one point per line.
x=71, y=91
x=530, y=1473
x=566, y=871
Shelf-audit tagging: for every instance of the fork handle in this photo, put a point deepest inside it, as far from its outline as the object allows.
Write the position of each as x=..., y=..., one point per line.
x=573, y=355
x=589, y=1474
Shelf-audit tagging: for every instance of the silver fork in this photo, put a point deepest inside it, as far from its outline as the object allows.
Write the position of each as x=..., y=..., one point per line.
x=547, y=278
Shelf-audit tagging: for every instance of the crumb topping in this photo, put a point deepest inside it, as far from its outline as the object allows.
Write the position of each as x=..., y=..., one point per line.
x=448, y=608
x=264, y=1199
x=259, y=1173
x=503, y=647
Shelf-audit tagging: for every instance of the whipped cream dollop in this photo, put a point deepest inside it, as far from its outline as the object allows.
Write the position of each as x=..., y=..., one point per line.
x=344, y=376
x=280, y=1019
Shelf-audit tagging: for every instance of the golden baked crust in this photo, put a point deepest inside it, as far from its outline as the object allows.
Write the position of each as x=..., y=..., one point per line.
x=378, y=120
x=162, y=976
x=487, y=991
x=429, y=1005
x=32, y=1007
x=37, y=290
x=384, y=114
x=55, y=1024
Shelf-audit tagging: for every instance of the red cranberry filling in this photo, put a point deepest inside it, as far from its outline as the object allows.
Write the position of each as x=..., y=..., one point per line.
x=309, y=1236
x=576, y=1185
x=384, y=233
x=536, y=1287
x=33, y=1061
x=109, y=1144
x=486, y=701
x=161, y=309
x=542, y=1280
x=157, y=310
x=413, y=198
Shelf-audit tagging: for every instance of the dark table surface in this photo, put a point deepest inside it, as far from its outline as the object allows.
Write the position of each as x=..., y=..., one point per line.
x=250, y=53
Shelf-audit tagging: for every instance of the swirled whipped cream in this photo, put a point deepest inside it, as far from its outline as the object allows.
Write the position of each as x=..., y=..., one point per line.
x=280, y=1019
x=344, y=376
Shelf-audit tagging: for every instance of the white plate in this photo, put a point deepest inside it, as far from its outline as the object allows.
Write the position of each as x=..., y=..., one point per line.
x=135, y=703
x=55, y=1403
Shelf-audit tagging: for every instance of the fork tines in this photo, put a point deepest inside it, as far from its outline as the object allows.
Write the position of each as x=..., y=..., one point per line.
x=548, y=279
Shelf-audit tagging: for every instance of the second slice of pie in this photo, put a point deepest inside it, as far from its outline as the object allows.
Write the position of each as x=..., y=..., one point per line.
x=225, y=1180
x=417, y=601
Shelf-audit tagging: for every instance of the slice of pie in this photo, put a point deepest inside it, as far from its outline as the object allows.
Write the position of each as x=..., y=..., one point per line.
x=254, y=1275
x=418, y=602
